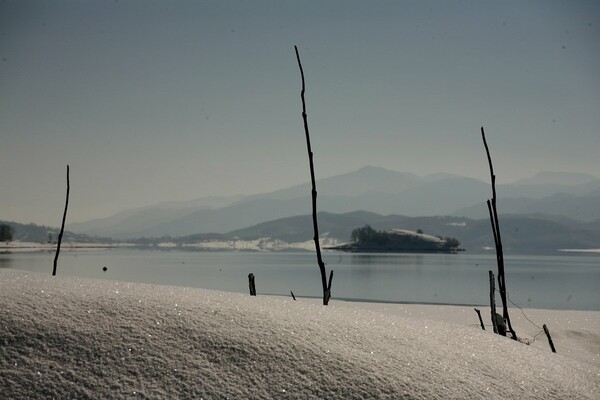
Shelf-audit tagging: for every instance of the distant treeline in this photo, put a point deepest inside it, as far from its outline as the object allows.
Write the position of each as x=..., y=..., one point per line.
x=45, y=234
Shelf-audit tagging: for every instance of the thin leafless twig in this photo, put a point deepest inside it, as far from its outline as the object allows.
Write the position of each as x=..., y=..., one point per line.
x=62, y=228
x=326, y=285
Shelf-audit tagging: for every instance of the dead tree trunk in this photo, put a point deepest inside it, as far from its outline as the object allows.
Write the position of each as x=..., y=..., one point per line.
x=498, y=241
x=62, y=228
x=326, y=285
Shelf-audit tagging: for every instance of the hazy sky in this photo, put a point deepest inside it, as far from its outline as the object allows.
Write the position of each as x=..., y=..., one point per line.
x=151, y=101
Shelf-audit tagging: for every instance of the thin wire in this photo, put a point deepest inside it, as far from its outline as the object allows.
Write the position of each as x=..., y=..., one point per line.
x=538, y=334
x=526, y=317
x=523, y=312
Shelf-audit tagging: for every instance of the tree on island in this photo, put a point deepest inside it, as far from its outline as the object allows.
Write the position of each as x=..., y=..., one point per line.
x=6, y=233
x=369, y=239
x=451, y=242
x=367, y=235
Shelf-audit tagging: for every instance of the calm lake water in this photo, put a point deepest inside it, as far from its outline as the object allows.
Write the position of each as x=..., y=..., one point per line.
x=554, y=282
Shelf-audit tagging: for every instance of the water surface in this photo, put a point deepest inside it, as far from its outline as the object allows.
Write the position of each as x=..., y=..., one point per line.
x=554, y=282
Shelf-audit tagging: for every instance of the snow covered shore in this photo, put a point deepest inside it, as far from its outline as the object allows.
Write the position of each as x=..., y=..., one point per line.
x=18, y=246
x=65, y=337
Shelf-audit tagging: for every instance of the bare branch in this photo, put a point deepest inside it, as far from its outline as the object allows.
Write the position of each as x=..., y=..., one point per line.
x=326, y=288
x=62, y=228
x=492, y=207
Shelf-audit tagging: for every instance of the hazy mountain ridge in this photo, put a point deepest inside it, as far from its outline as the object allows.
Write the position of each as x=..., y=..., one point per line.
x=371, y=189
x=558, y=178
x=340, y=226
x=138, y=222
x=520, y=235
x=581, y=208
x=350, y=184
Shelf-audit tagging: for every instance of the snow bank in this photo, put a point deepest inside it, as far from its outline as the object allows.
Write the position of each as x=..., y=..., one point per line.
x=66, y=337
x=264, y=244
x=580, y=250
x=424, y=236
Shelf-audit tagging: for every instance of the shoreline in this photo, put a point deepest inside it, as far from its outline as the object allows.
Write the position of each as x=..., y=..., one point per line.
x=49, y=247
x=16, y=246
x=383, y=302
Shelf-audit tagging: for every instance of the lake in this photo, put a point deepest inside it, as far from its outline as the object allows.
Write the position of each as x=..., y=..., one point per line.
x=552, y=282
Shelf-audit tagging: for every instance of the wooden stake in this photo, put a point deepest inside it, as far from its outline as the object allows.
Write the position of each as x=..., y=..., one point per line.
x=328, y=291
x=480, y=320
x=547, y=332
x=493, y=301
x=324, y=283
x=251, y=284
x=62, y=227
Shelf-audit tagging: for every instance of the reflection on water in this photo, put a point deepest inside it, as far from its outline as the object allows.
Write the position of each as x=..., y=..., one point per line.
x=558, y=282
x=386, y=258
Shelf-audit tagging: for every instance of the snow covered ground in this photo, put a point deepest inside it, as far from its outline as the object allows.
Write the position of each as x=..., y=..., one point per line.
x=67, y=337
x=263, y=244
x=423, y=236
x=580, y=250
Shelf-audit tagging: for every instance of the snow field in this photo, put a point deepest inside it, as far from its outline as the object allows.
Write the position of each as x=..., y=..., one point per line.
x=65, y=337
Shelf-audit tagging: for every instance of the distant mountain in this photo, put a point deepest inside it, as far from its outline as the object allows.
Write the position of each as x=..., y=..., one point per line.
x=520, y=235
x=594, y=225
x=366, y=179
x=558, y=178
x=535, y=191
x=141, y=221
x=369, y=189
x=299, y=228
x=528, y=235
x=581, y=208
x=340, y=226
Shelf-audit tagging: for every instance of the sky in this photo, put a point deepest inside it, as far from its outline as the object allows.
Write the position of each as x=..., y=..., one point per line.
x=153, y=101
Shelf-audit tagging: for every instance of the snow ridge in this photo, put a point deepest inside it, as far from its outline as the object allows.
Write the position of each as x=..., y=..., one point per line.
x=67, y=337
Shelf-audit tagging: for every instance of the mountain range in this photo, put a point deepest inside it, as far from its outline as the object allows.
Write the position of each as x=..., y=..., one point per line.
x=520, y=234
x=569, y=199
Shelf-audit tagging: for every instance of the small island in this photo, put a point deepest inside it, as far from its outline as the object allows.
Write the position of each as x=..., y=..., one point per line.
x=369, y=240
